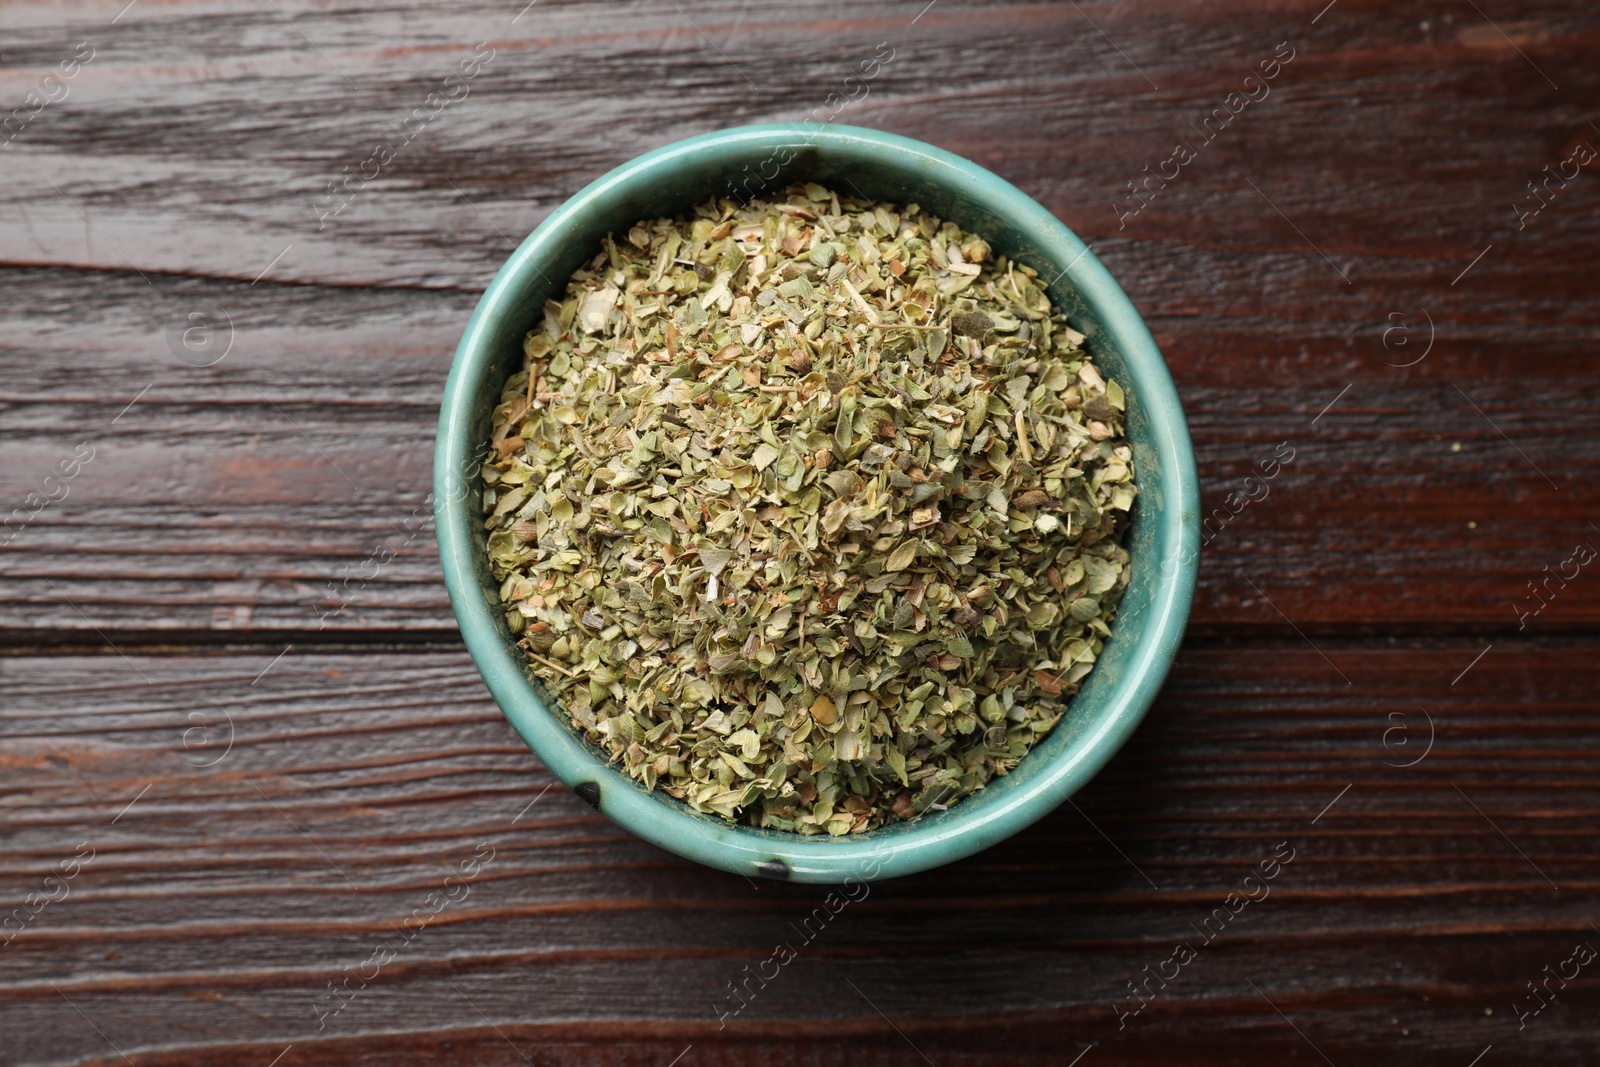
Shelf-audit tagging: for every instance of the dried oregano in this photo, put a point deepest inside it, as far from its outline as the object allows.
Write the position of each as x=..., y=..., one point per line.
x=806, y=512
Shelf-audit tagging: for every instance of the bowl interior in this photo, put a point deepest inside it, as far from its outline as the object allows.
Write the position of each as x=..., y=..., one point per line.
x=762, y=160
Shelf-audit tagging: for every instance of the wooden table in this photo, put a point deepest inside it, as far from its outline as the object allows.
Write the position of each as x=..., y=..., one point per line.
x=238, y=749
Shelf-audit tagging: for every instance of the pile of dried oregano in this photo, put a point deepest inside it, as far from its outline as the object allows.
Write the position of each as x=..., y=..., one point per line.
x=807, y=511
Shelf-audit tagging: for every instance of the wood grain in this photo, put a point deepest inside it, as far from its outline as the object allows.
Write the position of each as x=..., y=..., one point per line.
x=249, y=497
x=277, y=754
x=230, y=496
x=220, y=903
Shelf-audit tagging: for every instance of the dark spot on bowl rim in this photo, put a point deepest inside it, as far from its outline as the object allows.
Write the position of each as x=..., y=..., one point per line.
x=776, y=869
x=590, y=792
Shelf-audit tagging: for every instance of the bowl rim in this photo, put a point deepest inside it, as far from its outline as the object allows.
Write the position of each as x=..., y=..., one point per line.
x=892, y=851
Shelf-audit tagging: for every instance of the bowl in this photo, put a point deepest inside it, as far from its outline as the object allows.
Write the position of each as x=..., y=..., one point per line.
x=1163, y=538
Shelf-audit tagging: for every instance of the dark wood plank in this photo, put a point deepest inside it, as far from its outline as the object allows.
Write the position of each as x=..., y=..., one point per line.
x=234, y=120
x=221, y=899
x=248, y=495
x=1393, y=145
x=251, y=497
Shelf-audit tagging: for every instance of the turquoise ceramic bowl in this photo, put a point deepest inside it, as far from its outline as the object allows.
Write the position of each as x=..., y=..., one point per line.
x=1163, y=541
